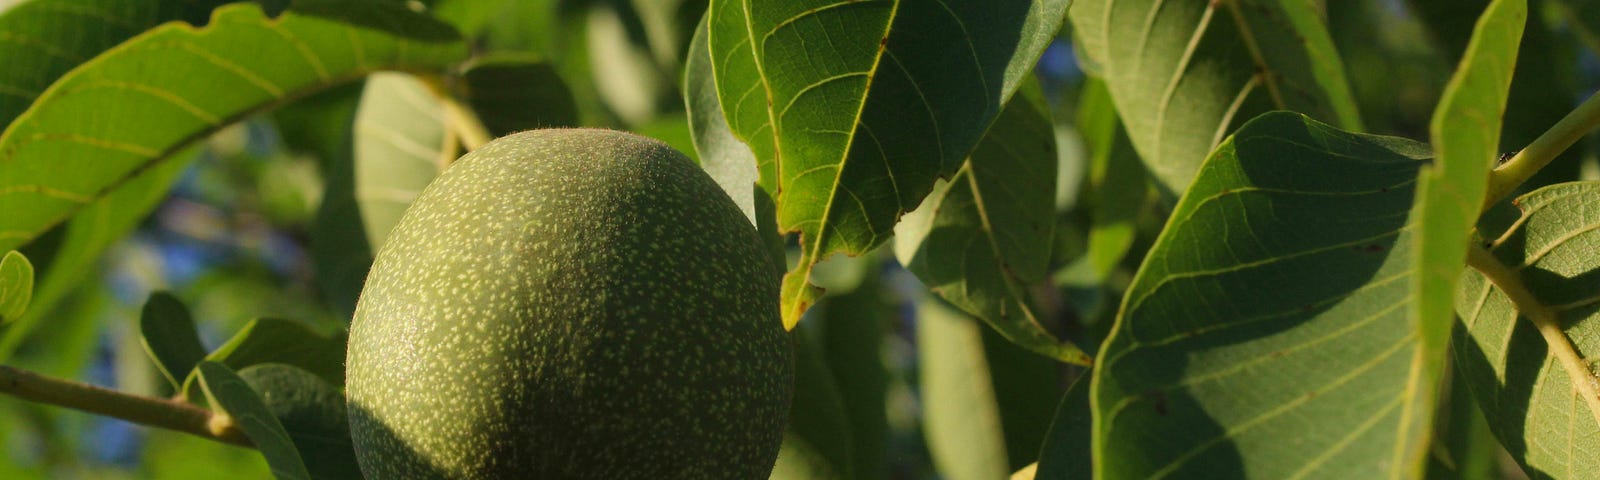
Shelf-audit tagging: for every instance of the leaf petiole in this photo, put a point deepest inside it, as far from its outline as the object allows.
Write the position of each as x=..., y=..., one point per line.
x=1506, y=177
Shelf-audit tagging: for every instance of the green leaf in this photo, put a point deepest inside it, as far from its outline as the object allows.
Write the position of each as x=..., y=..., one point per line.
x=982, y=239
x=1118, y=187
x=312, y=412
x=16, y=286
x=1277, y=303
x=1466, y=134
x=403, y=137
x=516, y=92
x=324, y=124
x=1185, y=74
x=1026, y=392
x=271, y=340
x=72, y=250
x=46, y=38
x=1517, y=374
x=1065, y=454
x=961, y=419
x=1465, y=447
x=853, y=109
x=167, y=331
x=229, y=393
x=401, y=144
x=853, y=324
x=49, y=38
x=816, y=443
x=154, y=95
x=726, y=158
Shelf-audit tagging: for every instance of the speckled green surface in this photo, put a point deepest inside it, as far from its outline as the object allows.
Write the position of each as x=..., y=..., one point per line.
x=570, y=304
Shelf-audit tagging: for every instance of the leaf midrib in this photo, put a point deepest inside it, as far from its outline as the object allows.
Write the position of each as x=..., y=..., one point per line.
x=155, y=158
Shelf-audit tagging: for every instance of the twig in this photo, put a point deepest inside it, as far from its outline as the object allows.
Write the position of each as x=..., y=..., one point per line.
x=154, y=412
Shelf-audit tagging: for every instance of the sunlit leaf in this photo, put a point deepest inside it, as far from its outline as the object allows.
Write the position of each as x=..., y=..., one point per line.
x=16, y=286
x=1519, y=379
x=46, y=38
x=152, y=96
x=982, y=239
x=401, y=144
x=729, y=161
x=1186, y=74
x=1450, y=194
x=961, y=419
x=1277, y=303
x=230, y=394
x=168, y=334
x=853, y=109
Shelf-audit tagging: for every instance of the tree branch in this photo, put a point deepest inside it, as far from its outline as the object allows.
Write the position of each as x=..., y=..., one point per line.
x=154, y=412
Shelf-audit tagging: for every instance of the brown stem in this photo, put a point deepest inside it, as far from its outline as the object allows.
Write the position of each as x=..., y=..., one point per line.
x=154, y=412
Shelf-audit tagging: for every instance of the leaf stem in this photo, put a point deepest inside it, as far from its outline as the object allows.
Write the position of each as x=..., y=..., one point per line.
x=1505, y=178
x=154, y=412
x=1543, y=318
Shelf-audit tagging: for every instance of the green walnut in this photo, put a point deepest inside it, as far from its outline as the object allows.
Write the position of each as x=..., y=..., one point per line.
x=570, y=303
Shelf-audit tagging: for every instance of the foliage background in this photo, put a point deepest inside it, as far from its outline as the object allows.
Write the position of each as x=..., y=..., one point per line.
x=237, y=238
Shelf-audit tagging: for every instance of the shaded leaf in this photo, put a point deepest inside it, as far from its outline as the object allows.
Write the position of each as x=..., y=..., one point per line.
x=1065, y=454
x=516, y=92
x=1465, y=447
x=1026, y=391
x=1515, y=374
x=961, y=419
x=16, y=286
x=168, y=334
x=174, y=85
x=1276, y=304
x=230, y=394
x=270, y=340
x=984, y=237
x=338, y=240
x=854, y=108
x=1186, y=74
x=816, y=443
x=312, y=412
x=852, y=325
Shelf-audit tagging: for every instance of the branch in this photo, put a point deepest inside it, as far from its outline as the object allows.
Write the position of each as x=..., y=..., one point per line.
x=154, y=412
x=1543, y=318
x=1543, y=150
